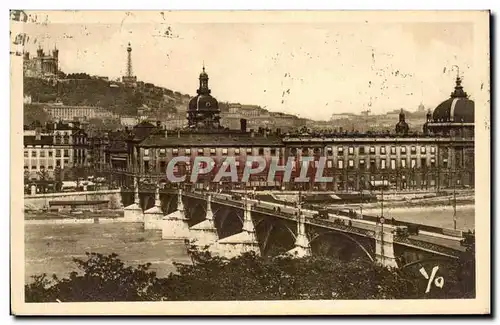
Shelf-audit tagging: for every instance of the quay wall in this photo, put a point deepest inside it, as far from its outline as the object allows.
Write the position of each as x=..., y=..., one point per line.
x=41, y=201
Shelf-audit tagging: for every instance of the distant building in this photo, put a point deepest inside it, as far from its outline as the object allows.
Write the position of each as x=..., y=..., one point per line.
x=70, y=113
x=128, y=121
x=341, y=116
x=41, y=66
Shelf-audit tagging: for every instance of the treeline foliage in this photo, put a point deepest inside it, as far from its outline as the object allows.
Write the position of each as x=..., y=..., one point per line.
x=248, y=277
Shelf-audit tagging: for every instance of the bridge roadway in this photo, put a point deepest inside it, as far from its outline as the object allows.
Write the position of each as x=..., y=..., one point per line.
x=427, y=241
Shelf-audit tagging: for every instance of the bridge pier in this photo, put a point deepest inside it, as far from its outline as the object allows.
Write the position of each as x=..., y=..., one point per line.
x=204, y=233
x=133, y=212
x=153, y=216
x=174, y=225
x=240, y=243
x=302, y=246
x=384, y=247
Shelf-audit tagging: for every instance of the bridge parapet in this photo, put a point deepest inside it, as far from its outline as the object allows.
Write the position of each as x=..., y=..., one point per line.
x=430, y=247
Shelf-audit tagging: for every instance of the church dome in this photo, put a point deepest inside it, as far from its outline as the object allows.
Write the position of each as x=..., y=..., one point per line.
x=458, y=108
x=203, y=103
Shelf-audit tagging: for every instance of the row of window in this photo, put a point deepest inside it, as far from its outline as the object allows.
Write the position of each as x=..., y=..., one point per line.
x=59, y=152
x=383, y=163
x=187, y=151
x=393, y=164
x=372, y=150
x=50, y=167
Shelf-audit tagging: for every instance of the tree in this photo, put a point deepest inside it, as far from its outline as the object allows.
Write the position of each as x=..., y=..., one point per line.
x=247, y=277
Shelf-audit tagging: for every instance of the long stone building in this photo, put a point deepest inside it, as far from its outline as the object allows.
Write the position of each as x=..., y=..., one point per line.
x=441, y=156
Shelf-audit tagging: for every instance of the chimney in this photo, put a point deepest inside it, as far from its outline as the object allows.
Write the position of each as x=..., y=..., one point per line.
x=243, y=125
x=178, y=133
x=166, y=134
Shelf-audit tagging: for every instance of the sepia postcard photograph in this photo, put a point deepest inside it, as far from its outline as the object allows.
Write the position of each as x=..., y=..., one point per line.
x=250, y=162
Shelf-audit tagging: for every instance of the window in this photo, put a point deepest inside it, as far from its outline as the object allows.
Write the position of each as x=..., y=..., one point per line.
x=372, y=149
x=261, y=151
x=361, y=150
x=340, y=164
x=423, y=163
x=224, y=151
x=146, y=166
x=351, y=150
x=305, y=151
x=162, y=152
x=413, y=163
x=393, y=163
x=175, y=151
x=51, y=167
x=329, y=164
x=403, y=150
x=433, y=162
x=25, y=167
x=146, y=152
x=26, y=153
x=42, y=153
x=33, y=167
x=200, y=151
x=273, y=151
x=445, y=163
x=382, y=150
x=340, y=151
x=249, y=150
x=403, y=163
x=66, y=153
x=393, y=150
x=163, y=166
x=361, y=164
x=188, y=151
x=212, y=151
x=42, y=166
x=58, y=163
x=329, y=150
x=433, y=150
x=50, y=153
x=33, y=153
x=422, y=149
x=373, y=164
x=382, y=164
x=413, y=149
x=237, y=151
x=66, y=162
x=351, y=163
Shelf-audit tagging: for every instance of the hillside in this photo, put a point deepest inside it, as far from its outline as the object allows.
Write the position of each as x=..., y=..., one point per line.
x=112, y=96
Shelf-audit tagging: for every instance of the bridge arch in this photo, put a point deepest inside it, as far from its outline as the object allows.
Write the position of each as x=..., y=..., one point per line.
x=350, y=238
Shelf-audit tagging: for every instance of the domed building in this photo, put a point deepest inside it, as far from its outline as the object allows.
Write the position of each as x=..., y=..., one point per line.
x=203, y=109
x=454, y=116
x=402, y=127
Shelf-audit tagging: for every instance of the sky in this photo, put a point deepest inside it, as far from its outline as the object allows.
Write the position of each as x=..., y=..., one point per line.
x=312, y=70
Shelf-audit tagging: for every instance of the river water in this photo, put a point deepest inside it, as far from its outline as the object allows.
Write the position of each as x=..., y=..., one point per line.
x=50, y=248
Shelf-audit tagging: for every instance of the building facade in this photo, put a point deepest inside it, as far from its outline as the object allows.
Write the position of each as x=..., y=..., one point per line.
x=42, y=65
x=51, y=147
x=441, y=157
